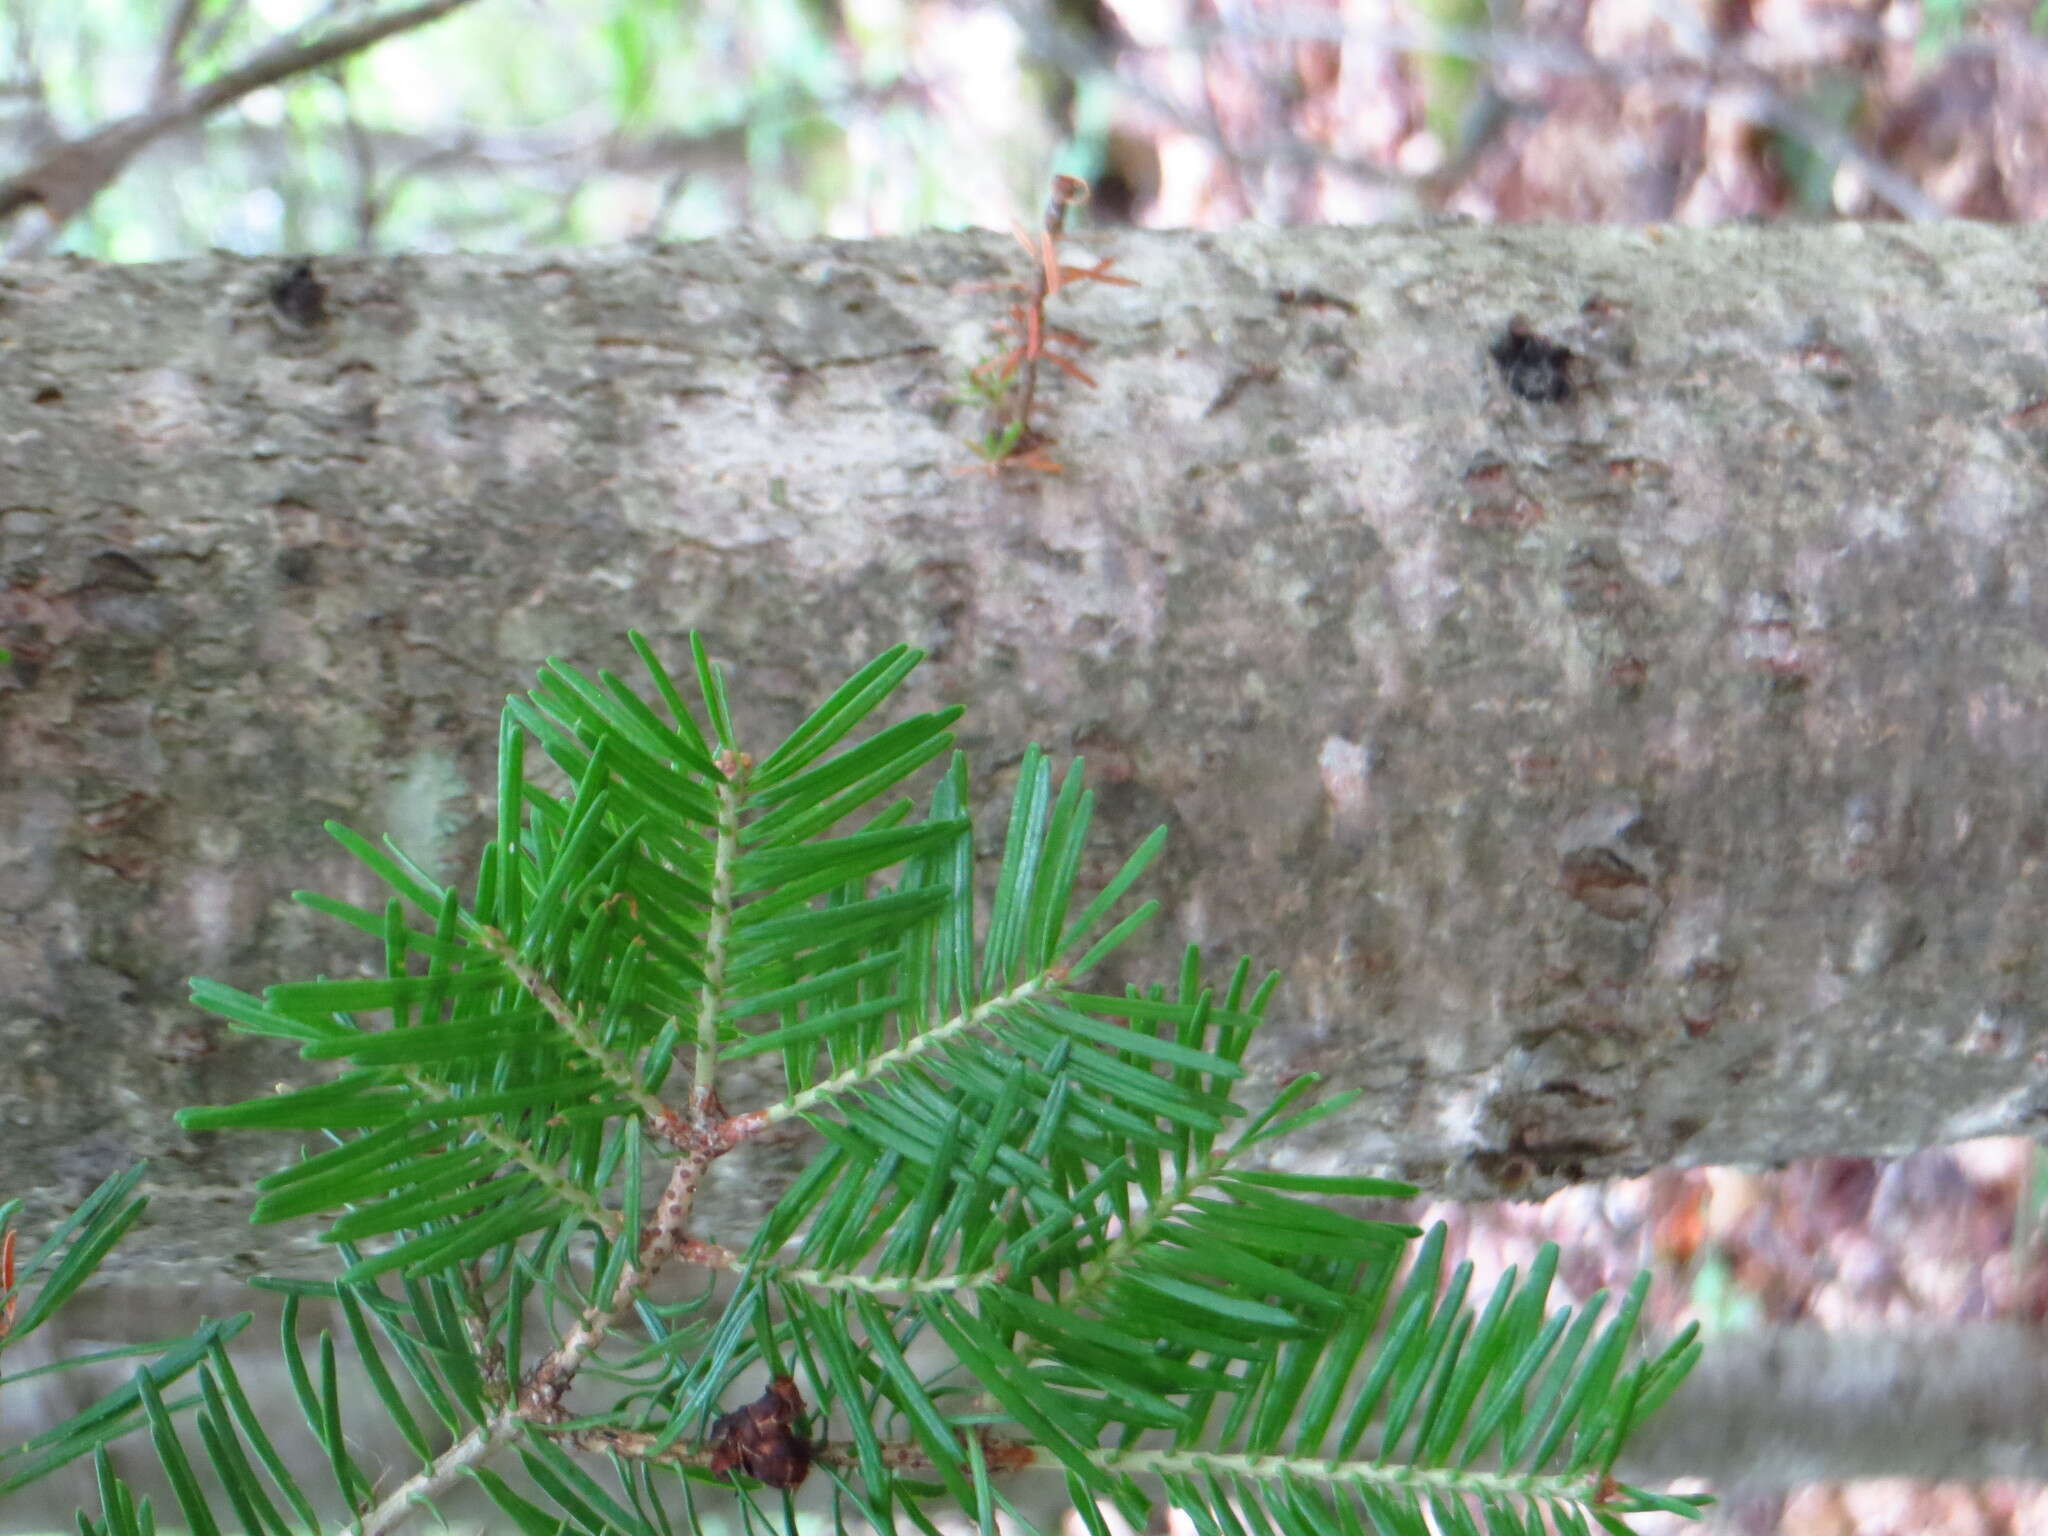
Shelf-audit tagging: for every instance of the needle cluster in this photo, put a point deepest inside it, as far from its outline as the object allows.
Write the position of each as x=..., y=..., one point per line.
x=1039, y=1234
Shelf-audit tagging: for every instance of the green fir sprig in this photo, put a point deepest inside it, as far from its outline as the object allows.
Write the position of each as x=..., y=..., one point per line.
x=1053, y=1188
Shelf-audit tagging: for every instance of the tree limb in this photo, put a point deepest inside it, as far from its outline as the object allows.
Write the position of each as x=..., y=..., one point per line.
x=1776, y=1408
x=1638, y=771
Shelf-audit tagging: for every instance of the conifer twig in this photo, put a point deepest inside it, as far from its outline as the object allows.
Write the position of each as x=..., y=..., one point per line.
x=1022, y=1171
x=1011, y=379
x=707, y=1134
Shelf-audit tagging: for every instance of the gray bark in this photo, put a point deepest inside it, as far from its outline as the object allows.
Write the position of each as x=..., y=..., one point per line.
x=1644, y=775
x=1772, y=1410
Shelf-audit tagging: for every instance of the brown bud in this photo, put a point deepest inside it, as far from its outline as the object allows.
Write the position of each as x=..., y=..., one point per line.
x=761, y=1439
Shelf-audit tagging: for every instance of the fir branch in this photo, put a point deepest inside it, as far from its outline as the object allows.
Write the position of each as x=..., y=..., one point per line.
x=522, y=1153
x=1025, y=1171
x=734, y=768
x=813, y=1098
x=615, y=1068
x=710, y=1136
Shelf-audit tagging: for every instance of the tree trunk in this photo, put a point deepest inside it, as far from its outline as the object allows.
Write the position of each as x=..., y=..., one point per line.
x=1623, y=725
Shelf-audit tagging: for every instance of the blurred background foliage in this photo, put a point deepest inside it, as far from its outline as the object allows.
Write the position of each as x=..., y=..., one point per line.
x=506, y=124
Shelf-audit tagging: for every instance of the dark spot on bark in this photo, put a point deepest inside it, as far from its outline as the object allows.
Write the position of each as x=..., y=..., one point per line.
x=1530, y=1154
x=1226, y=397
x=1505, y=1171
x=1315, y=298
x=184, y=1044
x=1608, y=329
x=1683, y=1129
x=1628, y=675
x=300, y=298
x=49, y=394
x=1596, y=580
x=1579, y=1093
x=1111, y=758
x=1602, y=883
x=297, y=565
x=1493, y=499
x=112, y=571
x=1536, y=369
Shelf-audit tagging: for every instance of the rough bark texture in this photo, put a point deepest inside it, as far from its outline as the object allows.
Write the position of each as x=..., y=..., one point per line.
x=1625, y=730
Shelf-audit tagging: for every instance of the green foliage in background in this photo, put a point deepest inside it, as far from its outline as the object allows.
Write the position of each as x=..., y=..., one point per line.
x=1942, y=22
x=507, y=125
x=1835, y=100
x=1450, y=81
x=511, y=124
x=1038, y=1233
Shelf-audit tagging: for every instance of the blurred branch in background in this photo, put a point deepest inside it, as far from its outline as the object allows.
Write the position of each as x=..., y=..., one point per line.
x=68, y=176
x=1781, y=1408
x=606, y=120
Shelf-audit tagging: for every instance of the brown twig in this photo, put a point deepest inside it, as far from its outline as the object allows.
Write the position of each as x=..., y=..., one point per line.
x=7, y=1281
x=704, y=1138
x=1012, y=378
x=538, y=1401
x=762, y=1421
x=180, y=28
